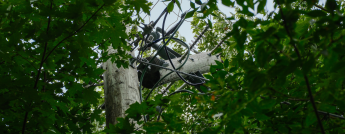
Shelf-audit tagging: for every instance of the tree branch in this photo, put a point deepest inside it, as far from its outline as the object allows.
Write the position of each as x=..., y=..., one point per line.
x=27, y=61
x=305, y=76
x=73, y=33
x=321, y=8
x=39, y=69
x=24, y=123
x=220, y=43
x=91, y=85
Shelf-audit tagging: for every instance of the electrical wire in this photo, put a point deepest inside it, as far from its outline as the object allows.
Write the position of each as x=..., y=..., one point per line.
x=188, y=91
x=152, y=8
x=152, y=25
x=169, y=38
x=176, y=18
x=173, y=22
x=159, y=81
x=196, y=40
x=177, y=14
x=144, y=71
x=141, y=61
x=166, y=51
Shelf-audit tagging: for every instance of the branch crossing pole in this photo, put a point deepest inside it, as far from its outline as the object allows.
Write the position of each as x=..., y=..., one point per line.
x=122, y=87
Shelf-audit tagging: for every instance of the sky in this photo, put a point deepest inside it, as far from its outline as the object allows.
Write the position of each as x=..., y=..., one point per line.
x=186, y=30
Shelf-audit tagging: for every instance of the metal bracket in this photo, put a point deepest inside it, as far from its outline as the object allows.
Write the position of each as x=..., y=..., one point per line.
x=150, y=39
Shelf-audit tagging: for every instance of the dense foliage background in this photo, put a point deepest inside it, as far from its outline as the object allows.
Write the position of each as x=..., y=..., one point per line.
x=281, y=74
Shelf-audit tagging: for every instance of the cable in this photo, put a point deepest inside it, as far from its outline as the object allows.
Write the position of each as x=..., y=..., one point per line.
x=169, y=38
x=188, y=91
x=152, y=8
x=173, y=22
x=177, y=14
x=166, y=51
x=152, y=25
x=170, y=69
x=144, y=71
x=220, y=43
x=159, y=81
x=176, y=18
x=194, y=43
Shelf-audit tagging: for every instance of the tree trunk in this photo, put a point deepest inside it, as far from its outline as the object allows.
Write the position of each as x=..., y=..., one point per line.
x=120, y=90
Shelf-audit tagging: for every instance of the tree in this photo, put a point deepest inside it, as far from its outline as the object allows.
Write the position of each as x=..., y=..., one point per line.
x=48, y=55
x=282, y=74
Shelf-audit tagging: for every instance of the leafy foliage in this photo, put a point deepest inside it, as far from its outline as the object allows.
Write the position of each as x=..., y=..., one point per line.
x=47, y=57
x=274, y=71
x=280, y=74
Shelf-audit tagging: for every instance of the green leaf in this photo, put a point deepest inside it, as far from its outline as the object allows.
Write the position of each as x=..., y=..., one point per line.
x=261, y=56
x=209, y=23
x=261, y=117
x=228, y=3
x=311, y=118
x=178, y=4
x=267, y=103
x=226, y=63
x=190, y=14
x=307, y=66
x=316, y=13
x=192, y=5
x=250, y=3
x=219, y=65
x=198, y=2
x=261, y=6
x=331, y=5
x=242, y=22
x=170, y=7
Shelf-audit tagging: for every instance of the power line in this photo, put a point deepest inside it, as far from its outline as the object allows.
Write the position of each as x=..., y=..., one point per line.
x=176, y=19
x=141, y=61
x=152, y=7
x=176, y=13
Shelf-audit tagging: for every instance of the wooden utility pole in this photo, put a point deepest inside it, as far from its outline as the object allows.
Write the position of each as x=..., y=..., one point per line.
x=197, y=62
x=121, y=89
x=121, y=86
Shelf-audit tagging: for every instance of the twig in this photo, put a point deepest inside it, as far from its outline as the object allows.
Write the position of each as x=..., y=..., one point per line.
x=167, y=88
x=170, y=69
x=91, y=85
x=305, y=76
x=25, y=119
x=181, y=87
x=152, y=8
x=39, y=70
x=220, y=43
x=28, y=61
x=321, y=8
x=176, y=13
x=281, y=51
x=72, y=33
x=196, y=41
x=320, y=112
x=175, y=21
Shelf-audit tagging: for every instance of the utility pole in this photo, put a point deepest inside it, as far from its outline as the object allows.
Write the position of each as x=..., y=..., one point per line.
x=121, y=89
x=121, y=86
x=198, y=62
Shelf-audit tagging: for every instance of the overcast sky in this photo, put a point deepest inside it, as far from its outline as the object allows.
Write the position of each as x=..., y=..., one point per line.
x=185, y=30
